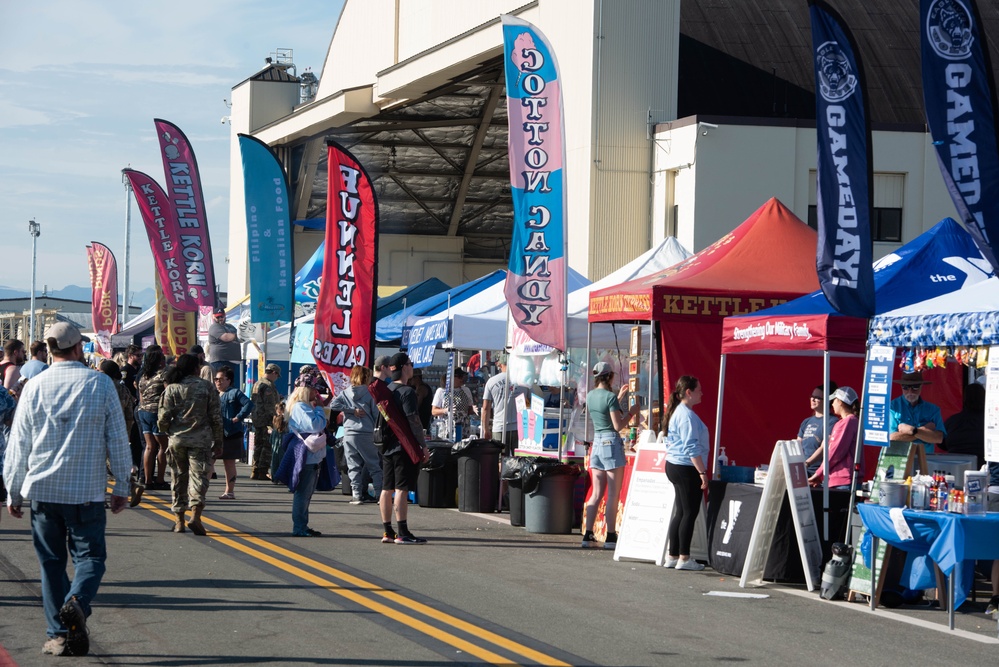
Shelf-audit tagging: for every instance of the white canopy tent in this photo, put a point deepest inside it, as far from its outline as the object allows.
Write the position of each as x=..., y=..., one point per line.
x=480, y=324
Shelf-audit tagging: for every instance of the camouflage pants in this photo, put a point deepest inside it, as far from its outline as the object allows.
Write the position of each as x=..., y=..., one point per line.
x=190, y=468
x=261, y=451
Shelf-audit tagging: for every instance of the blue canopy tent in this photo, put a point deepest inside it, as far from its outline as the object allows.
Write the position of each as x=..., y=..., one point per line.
x=388, y=330
x=389, y=305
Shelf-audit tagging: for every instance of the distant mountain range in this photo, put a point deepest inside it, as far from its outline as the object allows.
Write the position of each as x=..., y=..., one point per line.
x=143, y=298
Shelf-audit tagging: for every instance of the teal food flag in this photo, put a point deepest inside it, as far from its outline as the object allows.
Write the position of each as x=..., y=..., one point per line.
x=268, y=233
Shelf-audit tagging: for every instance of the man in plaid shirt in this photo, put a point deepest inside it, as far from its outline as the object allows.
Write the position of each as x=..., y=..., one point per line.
x=66, y=431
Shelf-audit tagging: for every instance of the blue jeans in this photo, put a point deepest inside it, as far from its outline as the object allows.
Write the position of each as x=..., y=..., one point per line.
x=80, y=527
x=303, y=496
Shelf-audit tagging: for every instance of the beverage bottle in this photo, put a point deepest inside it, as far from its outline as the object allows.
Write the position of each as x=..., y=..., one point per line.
x=943, y=493
x=934, y=501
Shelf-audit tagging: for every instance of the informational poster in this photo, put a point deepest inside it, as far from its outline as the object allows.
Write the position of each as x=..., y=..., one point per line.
x=646, y=511
x=787, y=475
x=877, y=394
x=992, y=407
x=531, y=426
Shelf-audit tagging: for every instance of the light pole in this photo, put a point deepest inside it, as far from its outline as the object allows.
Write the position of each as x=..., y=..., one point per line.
x=35, y=230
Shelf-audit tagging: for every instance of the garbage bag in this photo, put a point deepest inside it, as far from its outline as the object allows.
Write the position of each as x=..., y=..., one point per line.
x=468, y=446
x=513, y=468
x=541, y=467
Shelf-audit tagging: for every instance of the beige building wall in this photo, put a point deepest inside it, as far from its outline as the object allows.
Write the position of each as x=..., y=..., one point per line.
x=717, y=176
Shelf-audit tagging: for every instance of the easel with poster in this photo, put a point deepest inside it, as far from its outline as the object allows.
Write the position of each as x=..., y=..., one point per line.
x=897, y=461
x=648, y=508
x=789, y=475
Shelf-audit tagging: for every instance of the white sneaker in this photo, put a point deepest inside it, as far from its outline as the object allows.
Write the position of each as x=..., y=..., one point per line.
x=671, y=562
x=689, y=564
x=356, y=501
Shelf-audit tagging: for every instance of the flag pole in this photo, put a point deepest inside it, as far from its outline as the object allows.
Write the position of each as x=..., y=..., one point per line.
x=128, y=229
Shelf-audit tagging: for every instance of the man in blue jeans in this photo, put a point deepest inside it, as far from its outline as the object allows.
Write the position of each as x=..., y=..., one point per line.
x=68, y=424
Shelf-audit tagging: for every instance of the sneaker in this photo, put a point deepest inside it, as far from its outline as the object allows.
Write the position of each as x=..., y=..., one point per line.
x=993, y=605
x=356, y=501
x=671, y=562
x=77, y=639
x=588, y=541
x=313, y=533
x=409, y=539
x=56, y=646
x=689, y=564
x=611, y=541
x=388, y=538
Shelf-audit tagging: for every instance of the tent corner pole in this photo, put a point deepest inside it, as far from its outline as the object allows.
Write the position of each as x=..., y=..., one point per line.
x=716, y=474
x=825, y=448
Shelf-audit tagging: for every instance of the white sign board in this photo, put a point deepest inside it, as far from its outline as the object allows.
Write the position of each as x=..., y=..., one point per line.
x=787, y=475
x=992, y=406
x=648, y=509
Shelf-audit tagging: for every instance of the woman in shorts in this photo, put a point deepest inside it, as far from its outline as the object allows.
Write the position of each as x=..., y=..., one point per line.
x=607, y=452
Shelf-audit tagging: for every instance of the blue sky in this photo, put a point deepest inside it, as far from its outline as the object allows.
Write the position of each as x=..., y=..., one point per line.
x=81, y=83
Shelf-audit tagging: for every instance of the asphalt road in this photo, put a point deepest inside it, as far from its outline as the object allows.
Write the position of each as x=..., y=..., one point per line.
x=481, y=592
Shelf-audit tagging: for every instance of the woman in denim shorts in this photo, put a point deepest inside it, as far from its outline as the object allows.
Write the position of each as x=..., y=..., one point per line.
x=607, y=452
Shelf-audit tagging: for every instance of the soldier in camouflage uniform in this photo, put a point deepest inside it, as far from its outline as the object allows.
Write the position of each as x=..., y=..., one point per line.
x=265, y=400
x=189, y=414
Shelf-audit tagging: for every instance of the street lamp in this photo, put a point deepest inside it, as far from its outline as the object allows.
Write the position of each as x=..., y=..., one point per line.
x=35, y=230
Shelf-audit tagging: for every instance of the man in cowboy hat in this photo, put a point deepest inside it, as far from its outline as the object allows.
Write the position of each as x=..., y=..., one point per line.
x=913, y=419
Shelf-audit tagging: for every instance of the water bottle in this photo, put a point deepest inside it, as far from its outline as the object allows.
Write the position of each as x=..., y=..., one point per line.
x=721, y=463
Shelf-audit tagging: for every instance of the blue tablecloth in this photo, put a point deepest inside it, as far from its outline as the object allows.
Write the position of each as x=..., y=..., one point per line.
x=947, y=539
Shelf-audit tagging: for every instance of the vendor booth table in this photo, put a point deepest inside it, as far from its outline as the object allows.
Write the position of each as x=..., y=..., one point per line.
x=732, y=512
x=948, y=539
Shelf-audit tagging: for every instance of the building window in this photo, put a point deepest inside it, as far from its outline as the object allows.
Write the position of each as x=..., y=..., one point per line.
x=886, y=223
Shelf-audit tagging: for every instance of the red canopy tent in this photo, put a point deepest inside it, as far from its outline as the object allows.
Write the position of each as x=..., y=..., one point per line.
x=765, y=261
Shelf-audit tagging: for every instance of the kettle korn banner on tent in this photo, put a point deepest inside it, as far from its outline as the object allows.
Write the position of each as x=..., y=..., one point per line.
x=164, y=240
x=844, y=172
x=104, y=298
x=536, y=285
x=183, y=189
x=268, y=233
x=960, y=100
x=345, y=310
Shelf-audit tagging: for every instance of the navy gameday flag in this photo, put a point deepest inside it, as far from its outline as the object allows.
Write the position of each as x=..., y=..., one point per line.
x=960, y=100
x=268, y=233
x=844, y=256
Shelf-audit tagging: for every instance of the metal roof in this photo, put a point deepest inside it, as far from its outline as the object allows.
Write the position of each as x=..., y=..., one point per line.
x=439, y=162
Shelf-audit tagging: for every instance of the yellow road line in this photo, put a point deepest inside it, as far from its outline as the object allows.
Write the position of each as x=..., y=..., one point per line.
x=401, y=600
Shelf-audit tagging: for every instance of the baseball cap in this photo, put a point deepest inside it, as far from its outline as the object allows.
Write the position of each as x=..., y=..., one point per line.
x=272, y=368
x=602, y=368
x=502, y=357
x=219, y=310
x=846, y=394
x=66, y=335
x=398, y=360
x=382, y=361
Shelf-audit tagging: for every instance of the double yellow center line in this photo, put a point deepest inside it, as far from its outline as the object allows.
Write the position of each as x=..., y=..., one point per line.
x=332, y=585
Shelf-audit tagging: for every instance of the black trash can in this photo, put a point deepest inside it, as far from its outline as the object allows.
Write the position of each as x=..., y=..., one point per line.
x=548, y=493
x=437, y=484
x=478, y=474
x=512, y=472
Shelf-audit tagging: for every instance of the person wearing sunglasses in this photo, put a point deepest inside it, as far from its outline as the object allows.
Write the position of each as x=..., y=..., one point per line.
x=911, y=418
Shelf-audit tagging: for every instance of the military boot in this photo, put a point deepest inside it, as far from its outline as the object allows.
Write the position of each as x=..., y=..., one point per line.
x=195, y=523
x=178, y=526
